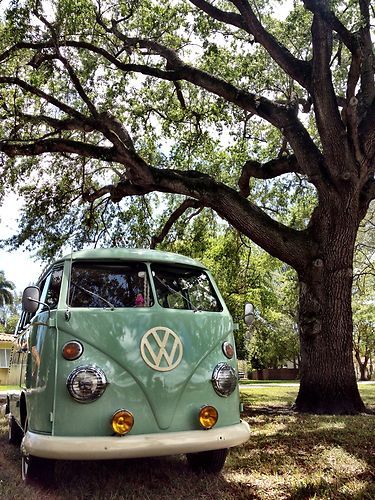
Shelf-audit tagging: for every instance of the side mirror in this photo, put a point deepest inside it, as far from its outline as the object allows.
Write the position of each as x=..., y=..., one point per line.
x=30, y=299
x=249, y=313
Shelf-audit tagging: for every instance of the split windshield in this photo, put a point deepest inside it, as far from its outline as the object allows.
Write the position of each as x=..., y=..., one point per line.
x=114, y=285
x=184, y=288
x=94, y=284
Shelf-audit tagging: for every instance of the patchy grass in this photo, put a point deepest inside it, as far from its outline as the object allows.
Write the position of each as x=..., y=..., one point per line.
x=9, y=387
x=280, y=397
x=289, y=456
x=266, y=382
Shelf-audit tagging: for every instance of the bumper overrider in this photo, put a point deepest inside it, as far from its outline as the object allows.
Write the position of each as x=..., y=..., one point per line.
x=137, y=446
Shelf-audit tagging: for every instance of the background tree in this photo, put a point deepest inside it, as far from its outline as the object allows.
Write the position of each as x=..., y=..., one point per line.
x=364, y=297
x=274, y=335
x=203, y=100
x=11, y=324
x=6, y=295
x=364, y=338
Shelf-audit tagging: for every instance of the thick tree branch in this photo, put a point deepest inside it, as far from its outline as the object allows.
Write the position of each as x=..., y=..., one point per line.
x=47, y=97
x=321, y=7
x=269, y=170
x=280, y=116
x=367, y=92
x=367, y=134
x=218, y=14
x=297, y=69
x=368, y=194
x=55, y=145
x=116, y=191
x=337, y=153
x=290, y=244
x=185, y=205
x=78, y=85
x=58, y=125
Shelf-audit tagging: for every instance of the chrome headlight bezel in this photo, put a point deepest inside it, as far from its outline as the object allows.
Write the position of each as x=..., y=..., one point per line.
x=86, y=384
x=224, y=379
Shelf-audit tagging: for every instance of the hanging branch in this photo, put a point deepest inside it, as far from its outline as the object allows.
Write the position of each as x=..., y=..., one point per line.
x=188, y=203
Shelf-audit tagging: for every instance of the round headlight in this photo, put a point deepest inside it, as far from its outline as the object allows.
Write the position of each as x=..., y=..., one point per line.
x=224, y=379
x=86, y=383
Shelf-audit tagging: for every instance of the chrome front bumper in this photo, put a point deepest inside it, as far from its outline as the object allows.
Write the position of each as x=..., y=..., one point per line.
x=145, y=445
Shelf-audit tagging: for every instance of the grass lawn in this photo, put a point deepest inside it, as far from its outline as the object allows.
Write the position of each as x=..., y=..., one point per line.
x=266, y=382
x=9, y=387
x=289, y=456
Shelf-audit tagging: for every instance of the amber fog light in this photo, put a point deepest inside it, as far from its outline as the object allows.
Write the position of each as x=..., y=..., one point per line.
x=122, y=422
x=208, y=416
x=72, y=350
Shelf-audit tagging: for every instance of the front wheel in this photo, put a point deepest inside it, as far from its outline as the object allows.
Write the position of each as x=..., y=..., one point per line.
x=207, y=461
x=37, y=470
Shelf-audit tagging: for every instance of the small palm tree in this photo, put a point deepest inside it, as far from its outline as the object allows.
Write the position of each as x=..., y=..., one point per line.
x=6, y=291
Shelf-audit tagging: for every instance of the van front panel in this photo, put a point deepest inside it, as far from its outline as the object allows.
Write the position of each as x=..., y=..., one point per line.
x=158, y=363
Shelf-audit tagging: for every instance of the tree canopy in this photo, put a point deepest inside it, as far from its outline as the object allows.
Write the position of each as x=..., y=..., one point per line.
x=226, y=105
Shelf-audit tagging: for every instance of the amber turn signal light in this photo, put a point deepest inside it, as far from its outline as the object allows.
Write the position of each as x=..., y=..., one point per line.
x=208, y=416
x=72, y=350
x=228, y=350
x=122, y=422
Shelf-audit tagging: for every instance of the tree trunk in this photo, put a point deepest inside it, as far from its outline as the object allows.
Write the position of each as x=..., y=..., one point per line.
x=328, y=382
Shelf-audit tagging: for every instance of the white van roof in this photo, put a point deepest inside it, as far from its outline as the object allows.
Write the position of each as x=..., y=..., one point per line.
x=130, y=254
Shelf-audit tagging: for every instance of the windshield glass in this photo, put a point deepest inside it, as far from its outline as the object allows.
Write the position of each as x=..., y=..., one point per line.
x=184, y=288
x=94, y=284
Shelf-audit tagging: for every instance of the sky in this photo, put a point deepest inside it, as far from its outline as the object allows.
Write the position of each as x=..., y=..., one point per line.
x=19, y=266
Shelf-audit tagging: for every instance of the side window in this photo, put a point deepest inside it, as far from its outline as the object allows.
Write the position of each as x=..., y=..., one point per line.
x=43, y=287
x=23, y=322
x=53, y=292
x=4, y=358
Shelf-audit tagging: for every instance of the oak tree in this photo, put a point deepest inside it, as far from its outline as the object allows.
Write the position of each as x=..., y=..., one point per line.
x=212, y=101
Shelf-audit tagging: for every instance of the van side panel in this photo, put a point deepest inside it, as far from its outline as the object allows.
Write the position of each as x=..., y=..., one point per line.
x=40, y=372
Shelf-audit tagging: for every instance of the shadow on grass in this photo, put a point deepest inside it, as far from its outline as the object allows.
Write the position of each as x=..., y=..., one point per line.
x=152, y=478
x=289, y=456
x=312, y=456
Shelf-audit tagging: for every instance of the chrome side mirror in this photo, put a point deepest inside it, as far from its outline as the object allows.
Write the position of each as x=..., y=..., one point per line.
x=30, y=299
x=249, y=313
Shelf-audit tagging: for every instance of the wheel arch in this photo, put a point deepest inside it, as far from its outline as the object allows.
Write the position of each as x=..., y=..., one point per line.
x=23, y=409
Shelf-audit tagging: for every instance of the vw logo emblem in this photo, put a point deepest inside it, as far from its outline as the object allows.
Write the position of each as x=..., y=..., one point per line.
x=161, y=349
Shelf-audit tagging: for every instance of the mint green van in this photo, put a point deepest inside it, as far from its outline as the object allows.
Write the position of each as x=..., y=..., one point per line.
x=122, y=354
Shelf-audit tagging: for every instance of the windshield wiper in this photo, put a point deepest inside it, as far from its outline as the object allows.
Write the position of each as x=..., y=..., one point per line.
x=94, y=295
x=172, y=290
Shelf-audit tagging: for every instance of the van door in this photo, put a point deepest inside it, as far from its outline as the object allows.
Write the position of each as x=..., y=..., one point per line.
x=41, y=359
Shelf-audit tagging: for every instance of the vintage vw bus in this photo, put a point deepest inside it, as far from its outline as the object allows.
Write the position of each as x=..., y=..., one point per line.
x=121, y=354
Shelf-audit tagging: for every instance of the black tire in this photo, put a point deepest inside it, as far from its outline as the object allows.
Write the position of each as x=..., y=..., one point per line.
x=36, y=470
x=15, y=433
x=207, y=461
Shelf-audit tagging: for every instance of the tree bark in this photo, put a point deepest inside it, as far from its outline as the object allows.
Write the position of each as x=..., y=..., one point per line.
x=328, y=382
